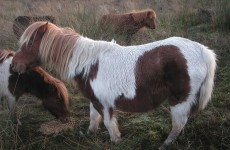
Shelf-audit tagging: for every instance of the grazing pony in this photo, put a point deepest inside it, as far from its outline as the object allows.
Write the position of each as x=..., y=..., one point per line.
x=37, y=82
x=22, y=22
x=127, y=78
x=129, y=23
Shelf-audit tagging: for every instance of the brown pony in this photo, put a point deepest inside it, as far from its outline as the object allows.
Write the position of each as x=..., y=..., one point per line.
x=127, y=78
x=129, y=23
x=22, y=22
x=51, y=91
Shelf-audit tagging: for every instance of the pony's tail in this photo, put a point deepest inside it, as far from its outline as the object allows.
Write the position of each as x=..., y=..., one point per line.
x=207, y=86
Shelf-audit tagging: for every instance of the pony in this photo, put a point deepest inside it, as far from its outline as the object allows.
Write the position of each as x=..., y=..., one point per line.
x=129, y=23
x=127, y=78
x=22, y=22
x=51, y=91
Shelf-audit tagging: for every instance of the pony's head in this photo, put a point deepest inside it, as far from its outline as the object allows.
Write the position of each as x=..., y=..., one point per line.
x=27, y=57
x=151, y=19
x=147, y=17
x=55, y=98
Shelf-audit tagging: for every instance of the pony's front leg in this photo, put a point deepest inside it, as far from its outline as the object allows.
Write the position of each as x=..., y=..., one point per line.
x=95, y=119
x=12, y=108
x=111, y=124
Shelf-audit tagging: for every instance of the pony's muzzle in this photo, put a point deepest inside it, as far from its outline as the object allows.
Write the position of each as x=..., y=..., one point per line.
x=20, y=68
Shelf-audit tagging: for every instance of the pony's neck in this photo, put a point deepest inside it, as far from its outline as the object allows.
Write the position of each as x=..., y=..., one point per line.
x=86, y=54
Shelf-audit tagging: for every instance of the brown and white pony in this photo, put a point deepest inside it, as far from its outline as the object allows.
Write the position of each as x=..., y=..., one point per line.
x=22, y=22
x=37, y=82
x=129, y=23
x=127, y=78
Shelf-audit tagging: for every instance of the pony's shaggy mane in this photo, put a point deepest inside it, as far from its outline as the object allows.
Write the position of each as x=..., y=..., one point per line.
x=57, y=44
x=60, y=45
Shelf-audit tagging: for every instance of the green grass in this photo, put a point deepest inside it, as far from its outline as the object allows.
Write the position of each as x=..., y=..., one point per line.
x=209, y=129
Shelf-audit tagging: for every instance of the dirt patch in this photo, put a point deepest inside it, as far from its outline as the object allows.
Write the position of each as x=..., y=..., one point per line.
x=54, y=127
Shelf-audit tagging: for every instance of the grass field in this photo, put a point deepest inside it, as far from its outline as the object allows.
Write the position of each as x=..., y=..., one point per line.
x=205, y=21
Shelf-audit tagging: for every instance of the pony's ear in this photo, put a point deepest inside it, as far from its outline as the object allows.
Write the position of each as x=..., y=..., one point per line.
x=43, y=29
x=151, y=14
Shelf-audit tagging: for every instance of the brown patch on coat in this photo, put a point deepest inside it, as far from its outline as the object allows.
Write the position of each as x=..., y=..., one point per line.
x=84, y=86
x=160, y=74
x=129, y=23
x=22, y=22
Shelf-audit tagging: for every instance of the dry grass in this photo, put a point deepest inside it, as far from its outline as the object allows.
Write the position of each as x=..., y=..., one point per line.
x=55, y=127
x=208, y=130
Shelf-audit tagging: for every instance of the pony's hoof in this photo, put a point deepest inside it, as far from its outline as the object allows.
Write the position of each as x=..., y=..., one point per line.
x=19, y=122
x=164, y=147
x=116, y=141
x=82, y=134
x=92, y=131
x=89, y=132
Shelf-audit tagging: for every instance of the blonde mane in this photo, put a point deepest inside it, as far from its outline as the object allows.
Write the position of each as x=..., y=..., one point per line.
x=56, y=47
x=64, y=49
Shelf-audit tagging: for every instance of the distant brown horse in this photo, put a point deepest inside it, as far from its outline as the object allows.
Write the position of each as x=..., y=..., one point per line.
x=129, y=23
x=51, y=91
x=22, y=22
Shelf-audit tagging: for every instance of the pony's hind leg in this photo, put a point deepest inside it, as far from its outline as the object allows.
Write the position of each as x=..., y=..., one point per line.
x=179, y=114
x=111, y=124
x=95, y=119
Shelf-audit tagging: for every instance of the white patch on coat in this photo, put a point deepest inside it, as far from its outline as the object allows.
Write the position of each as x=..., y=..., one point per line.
x=85, y=55
x=4, y=78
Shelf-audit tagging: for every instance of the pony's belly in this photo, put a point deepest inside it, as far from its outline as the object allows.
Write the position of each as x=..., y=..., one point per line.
x=140, y=103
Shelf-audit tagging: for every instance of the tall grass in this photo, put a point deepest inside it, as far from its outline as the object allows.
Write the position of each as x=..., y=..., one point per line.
x=222, y=16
